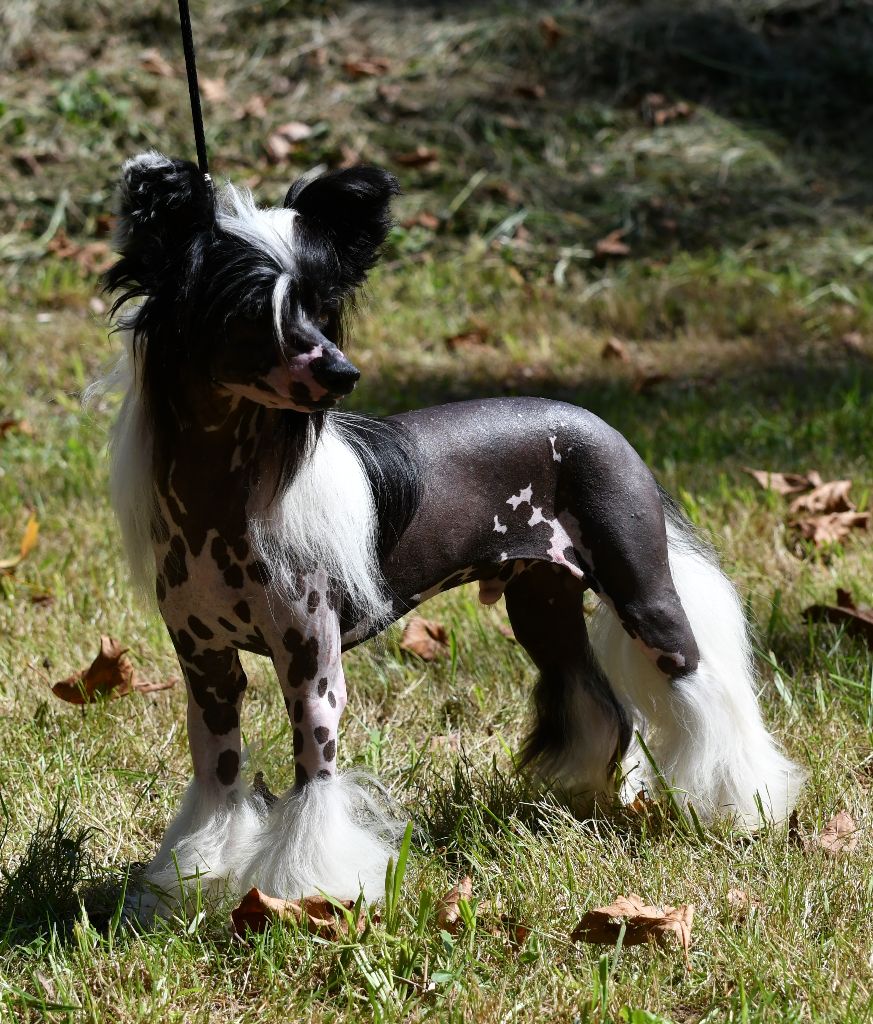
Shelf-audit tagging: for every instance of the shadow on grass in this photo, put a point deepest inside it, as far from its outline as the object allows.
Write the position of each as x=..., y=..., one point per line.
x=783, y=413
x=44, y=893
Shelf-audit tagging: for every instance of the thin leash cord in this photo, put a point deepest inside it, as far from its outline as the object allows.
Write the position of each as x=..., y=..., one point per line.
x=193, y=89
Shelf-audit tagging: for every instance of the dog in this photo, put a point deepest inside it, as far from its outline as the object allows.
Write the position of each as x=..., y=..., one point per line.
x=263, y=520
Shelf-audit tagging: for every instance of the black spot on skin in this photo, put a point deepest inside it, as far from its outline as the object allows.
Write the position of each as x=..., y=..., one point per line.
x=175, y=567
x=220, y=718
x=160, y=587
x=185, y=643
x=226, y=624
x=242, y=611
x=228, y=767
x=199, y=628
x=230, y=688
x=322, y=733
x=259, y=573
x=233, y=577
x=219, y=552
x=301, y=776
x=328, y=751
x=241, y=549
x=304, y=655
x=293, y=676
x=668, y=666
x=298, y=710
x=332, y=597
x=292, y=640
x=313, y=601
x=322, y=686
x=331, y=699
x=298, y=742
x=323, y=773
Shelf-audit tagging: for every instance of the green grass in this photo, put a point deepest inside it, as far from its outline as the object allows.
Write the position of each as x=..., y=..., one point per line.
x=750, y=246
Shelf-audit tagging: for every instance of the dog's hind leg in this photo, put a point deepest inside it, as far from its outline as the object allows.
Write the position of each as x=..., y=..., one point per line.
x=329, y=833
x=212, y=837
x=579, y=729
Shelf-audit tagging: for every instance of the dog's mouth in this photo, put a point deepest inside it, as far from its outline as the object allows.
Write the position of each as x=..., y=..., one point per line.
x=308, y=382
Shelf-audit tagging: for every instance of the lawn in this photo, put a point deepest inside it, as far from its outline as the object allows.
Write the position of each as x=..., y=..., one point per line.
x=685, y=186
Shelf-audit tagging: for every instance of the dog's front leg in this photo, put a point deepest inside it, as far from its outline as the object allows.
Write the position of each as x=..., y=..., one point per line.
x=329, y=833
x=210, y=841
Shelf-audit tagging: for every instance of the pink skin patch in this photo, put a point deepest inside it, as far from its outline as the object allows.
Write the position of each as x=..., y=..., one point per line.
x=281, y=387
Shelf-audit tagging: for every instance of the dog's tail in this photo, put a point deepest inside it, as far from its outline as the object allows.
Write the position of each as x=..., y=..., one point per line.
x=702, y=733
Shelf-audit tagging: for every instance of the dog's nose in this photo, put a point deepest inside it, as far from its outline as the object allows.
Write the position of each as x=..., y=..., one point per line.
x=340, y=377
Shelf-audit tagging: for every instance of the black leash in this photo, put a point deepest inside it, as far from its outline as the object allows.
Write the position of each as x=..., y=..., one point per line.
x=193, y=88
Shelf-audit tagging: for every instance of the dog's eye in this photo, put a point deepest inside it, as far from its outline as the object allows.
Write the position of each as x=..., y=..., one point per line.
x=323, y=318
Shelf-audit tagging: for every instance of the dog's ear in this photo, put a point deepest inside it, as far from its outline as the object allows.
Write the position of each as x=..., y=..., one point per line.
x=163, y=204
x=353, y=208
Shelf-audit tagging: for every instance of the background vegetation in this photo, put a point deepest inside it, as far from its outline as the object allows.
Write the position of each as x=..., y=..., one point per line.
x=690, y=179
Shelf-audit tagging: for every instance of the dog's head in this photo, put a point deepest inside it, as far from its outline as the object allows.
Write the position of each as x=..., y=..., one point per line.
x=250, y=298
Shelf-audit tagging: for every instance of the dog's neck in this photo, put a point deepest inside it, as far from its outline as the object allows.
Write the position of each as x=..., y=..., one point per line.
x=215, y=452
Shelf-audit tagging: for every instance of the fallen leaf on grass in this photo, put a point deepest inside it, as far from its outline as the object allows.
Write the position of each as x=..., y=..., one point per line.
x=658, y=111
x=642, y=923
x=367, y=67
x=422, y=219
x=28, y=543
x=155, y=63
x=475, y=337
x=254, y=107
x=214, y=90
x=10, y=426
x=426, y=638
x=449, y=906
x=551, y=31
x=317, y=915
x=283, y=141
x=856, y=620
x=612, y=245
x=831, y=528
x=421, y=156
x=530, y=90
x=832, y=496
x=784, y=483
x=91, y=257
x=614, y=348
x=853, y=341
x=740, y=903
x=111, y=674
x=839, y=836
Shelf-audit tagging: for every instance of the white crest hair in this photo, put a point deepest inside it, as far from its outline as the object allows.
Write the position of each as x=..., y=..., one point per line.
x=324, y=519
x=268, y=230
x=130, y=476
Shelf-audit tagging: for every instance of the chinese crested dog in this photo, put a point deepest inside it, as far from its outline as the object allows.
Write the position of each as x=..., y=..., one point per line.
x=265, y=521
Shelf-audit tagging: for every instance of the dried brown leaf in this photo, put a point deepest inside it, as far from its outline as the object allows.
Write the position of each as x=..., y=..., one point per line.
x=832, y=496
x=784, y=483
x=367, y=67
x=422, y=219
x=551, y=31
x=254, y=107
x=28, y=543
x=853, y=341
x=530, y=90
x=857, y=620
x=449, y=909
x=611, y=245
x=642, y=923
x=285, y=140
x=474, y=337
x=832, y=528
x=257, y=911
x=615, y=348
x=9, y=426
x=154, y=62
x=421, y=156
x=214, y=90
x=426, y=638
x=111, y=674
x=838, y=837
